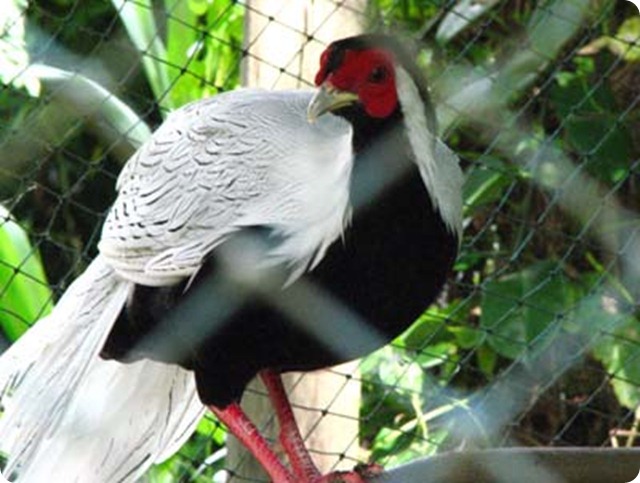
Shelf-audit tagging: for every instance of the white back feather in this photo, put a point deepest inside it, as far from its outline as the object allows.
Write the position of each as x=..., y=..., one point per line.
x=242, y=158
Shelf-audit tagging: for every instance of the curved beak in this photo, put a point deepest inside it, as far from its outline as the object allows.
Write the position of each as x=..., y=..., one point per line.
x=327, y=99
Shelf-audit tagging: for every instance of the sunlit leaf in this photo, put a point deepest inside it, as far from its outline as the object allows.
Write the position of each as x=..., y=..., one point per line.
x=625, y=43
x=24, y=292
x=617, y=347
x=462, y=15
x=14, y=57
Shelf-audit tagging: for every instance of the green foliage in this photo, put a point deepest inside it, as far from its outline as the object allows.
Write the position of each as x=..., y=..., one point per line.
x=521, y=285
x=25, y=295
x=402, y=14
x=486, y=182
x=619, y=353
x=24, y=292
x=521, y=311
x=204, y=39
x=139, y=20
x=14, y=58
x=201, y=458
x=626, y=41
x=590, y=121
x=201, y=53
x=397, y=389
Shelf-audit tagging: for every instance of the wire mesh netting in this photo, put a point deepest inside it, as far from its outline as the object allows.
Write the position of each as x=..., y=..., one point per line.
x=535, y=340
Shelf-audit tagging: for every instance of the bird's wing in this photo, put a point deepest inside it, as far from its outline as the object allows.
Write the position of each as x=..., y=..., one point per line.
x=244, y=158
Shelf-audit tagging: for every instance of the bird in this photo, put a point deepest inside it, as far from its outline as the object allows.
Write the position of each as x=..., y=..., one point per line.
x=275, y=181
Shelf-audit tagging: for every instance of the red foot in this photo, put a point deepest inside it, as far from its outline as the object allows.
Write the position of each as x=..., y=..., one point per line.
x=362, y=473
x=369, y=470
x=241, y=426
x=341, y=477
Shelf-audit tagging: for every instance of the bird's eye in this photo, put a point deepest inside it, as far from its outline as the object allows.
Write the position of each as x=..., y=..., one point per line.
x=379, y=75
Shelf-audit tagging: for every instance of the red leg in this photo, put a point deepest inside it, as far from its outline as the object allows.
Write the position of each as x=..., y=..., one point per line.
x=290, y=438
x=242, y=428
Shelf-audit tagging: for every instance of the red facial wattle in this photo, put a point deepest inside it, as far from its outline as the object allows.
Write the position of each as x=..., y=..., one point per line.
x=367, y=73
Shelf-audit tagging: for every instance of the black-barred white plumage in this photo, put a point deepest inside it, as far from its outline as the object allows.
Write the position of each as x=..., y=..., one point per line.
x=244, y=161
x=237, y=160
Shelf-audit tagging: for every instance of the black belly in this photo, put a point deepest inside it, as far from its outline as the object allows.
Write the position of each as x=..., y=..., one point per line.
x=391, y=266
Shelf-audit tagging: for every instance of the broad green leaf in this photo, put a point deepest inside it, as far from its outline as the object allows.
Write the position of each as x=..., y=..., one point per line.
x=591, y=122
x=138, y=19
x=431, y=327
x=428, y=329
x=388, y=440
x=419, y=448
x=199, y=458
x=443, y=355
x=371, y=362
x=401, y=375
x=487, y=359
x=617, y=347
x=211, y=428
x=185, y=44
x=463, y=14
x=485, y=183
x=467, y=337
x=24, y=292
x=227, y=21
x=520, y=311
x=625, y=43
x=203, y=42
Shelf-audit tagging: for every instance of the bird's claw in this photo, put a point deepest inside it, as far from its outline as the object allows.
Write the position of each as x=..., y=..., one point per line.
x=368, y=470
x=362, y=473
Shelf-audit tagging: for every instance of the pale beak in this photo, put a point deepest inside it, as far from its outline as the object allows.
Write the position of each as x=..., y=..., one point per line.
x=326, y=99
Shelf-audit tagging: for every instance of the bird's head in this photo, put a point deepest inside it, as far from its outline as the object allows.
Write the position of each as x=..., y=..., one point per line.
x=361, y=73
x=374, y=82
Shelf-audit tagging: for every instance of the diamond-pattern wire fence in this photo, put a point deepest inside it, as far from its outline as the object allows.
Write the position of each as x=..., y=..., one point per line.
x=535, y=340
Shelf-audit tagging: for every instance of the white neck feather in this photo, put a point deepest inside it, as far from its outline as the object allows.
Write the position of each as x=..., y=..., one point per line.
x=438, y=165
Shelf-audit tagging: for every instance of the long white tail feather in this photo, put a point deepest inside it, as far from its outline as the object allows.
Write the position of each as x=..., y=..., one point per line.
x=69, y=415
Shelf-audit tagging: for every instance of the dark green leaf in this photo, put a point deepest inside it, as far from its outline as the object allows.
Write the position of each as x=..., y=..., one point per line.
x=591, y=123
x=520, y=311
x=485, y=182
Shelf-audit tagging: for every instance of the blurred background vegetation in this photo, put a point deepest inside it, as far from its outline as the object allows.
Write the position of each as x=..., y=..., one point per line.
x=537, y=97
